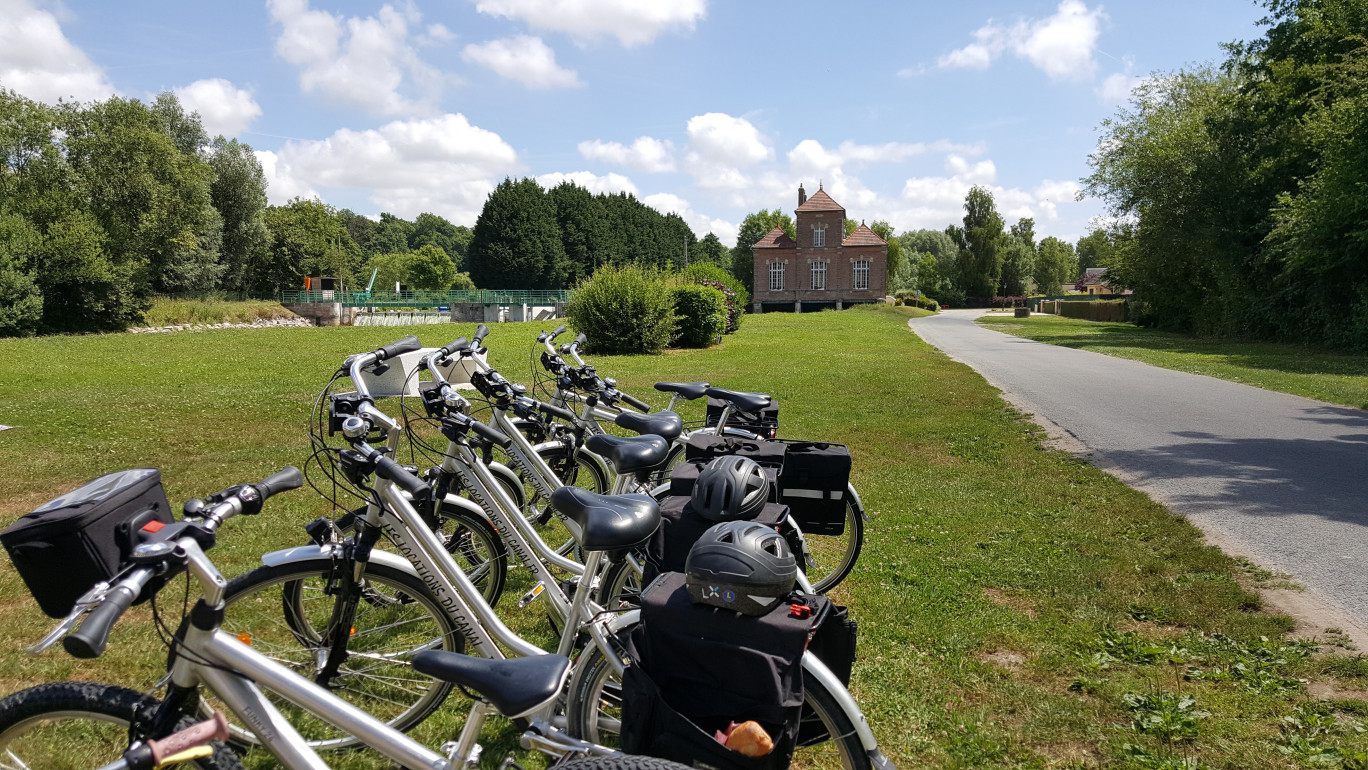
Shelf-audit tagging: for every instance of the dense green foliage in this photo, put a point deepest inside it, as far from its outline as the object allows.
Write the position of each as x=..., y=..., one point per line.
x=1055, y=265
x=623, y=310
x=737, y=298
x=1241, y=189
x=700, y=315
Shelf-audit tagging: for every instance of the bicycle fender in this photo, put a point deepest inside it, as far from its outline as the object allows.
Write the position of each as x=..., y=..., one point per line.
x=515, y=483
x=583, y=453
x=333, y=551
x=816, y=669
x=859, y=504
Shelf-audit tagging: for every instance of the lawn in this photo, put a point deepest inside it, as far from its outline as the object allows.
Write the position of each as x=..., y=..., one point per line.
x=166, y=311
x=1339, y=378
x=1017, y=607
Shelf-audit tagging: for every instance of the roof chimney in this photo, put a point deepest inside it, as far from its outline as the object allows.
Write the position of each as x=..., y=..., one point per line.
x=802, y=195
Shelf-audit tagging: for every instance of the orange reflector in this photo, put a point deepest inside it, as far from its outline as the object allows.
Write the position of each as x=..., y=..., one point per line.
x=245, y=638
x=353, y=633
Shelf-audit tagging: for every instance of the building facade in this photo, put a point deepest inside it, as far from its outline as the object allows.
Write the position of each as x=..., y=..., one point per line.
x=821, y=269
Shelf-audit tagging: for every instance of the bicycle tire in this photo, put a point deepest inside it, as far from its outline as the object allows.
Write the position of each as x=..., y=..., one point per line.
x=573, y=470
x=406, y=619
x=475, y=545
x=46, y=706
x=618, y=584
x=841, y=551
x=593, y=685
x=619, y=762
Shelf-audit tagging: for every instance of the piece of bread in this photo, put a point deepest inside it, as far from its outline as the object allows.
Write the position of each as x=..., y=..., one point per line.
x=749, y=739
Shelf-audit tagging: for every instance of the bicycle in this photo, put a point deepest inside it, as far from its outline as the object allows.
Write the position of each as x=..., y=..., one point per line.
x=205, y=656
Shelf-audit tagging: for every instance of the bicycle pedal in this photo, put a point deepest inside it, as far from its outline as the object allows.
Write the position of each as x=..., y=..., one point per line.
x=532, y=595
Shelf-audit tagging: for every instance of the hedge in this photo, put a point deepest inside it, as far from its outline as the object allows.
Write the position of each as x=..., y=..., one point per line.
x=701, y=312
x=623, y=310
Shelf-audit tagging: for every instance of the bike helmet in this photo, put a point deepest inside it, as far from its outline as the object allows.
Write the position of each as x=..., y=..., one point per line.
x=730, y=488
x=741, y=566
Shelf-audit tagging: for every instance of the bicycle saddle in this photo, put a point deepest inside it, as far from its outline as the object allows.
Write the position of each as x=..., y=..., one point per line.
x=515, y=686
x=607, y=522
x=667, y=425
x=689, y=390
x=630, y=454
x=746, y=402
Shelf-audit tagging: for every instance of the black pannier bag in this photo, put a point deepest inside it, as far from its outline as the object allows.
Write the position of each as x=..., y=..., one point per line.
x=813, y=484
x=680, y=528
x=764, y=423
x=69, y=544
x=696, y=669
x=684, y=475
x=769, y=454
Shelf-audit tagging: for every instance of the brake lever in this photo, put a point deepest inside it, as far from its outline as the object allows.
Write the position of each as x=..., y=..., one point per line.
x=88, y=601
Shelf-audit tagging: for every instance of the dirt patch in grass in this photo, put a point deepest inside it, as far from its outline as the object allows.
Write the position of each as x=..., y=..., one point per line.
x=1331, y=689
x=1010, y=660
x=1016, y=602
x=1071, y=754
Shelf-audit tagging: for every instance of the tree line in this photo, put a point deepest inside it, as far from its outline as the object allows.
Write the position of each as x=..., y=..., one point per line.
x=105, y=204
x=1239, y=190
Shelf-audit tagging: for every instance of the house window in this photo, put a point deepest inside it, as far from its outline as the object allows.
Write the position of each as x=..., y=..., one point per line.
x=819, y=276
x=861, y=275
x=776, y=276
x=819, y=236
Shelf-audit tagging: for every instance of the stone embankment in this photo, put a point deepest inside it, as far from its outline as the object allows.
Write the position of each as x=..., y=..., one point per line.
x=260, y=323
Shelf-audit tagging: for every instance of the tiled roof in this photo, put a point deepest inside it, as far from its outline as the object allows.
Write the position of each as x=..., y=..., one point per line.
x=820, y=201
x=1093, y=276
x=863, y=236
x=776, y=239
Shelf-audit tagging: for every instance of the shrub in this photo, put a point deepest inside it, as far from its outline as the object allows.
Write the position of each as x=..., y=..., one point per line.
x=738, y=299
x=623, y=310
x=702, y=315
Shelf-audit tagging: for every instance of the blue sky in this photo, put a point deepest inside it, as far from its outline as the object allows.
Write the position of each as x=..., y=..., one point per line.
x=709, y=108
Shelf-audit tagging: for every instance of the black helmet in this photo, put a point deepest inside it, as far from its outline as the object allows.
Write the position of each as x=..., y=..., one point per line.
x=742, y=566
x=730, y=488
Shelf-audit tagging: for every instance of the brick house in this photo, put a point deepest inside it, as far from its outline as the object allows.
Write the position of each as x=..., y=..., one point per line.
x=819, y=271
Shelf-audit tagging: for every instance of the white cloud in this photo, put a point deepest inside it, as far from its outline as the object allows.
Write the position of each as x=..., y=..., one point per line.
x=224, y=108
x=443, y=165
x=632, y=22
x=608, y=183
x=1118, y=86
x=721, y=138
x=437, y=34
x=701, y=224
x=646, y=154
x=934, y=201
x=360, y=63
x=523, y=58
x=38, y=61
x=1061, y=45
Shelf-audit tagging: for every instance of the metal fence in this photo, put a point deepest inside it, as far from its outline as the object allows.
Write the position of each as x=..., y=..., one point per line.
x=423, y=299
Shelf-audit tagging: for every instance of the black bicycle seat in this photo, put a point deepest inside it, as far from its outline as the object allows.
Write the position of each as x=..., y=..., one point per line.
x=630, y=454
x=516, y=686
x=746, y=402
x=667, y=425
x=689, y=390
x=607, y=522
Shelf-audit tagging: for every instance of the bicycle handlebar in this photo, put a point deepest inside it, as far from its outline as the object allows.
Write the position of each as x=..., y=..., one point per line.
x=398, y=347
x=90, y=639
x=642, y=406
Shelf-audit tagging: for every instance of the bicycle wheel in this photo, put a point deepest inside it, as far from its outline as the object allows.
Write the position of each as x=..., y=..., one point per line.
x=621, y=582
x=284, y=612
x=595, y=715
x=475, y=545
x=831, y=557
x=571, y=469
x=79, y=726
x=619, y=762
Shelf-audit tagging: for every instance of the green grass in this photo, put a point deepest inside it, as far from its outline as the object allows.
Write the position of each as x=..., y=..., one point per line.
x=1339, y=378
x=1009, y=598
x=166, y=311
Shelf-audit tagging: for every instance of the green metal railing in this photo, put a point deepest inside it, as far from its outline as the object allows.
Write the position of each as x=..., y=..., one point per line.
x=427, y=298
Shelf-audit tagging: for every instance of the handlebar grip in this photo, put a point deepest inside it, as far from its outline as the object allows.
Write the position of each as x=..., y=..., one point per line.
x=458, y=344
x=395, y=472
x=558, y=331
x=90, y=639
x=284, y=480
x=581, y=339
x=406, y=345
x=556, y=411
x=492, y=435
x=208, y=731
x=481, y=332
x=636, y=402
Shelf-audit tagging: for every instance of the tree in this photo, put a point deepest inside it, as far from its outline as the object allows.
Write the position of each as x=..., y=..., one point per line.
x=390, y=235
x=711, y=251
x=753, y=228
x=884, y=230
x=583, y=226
x=1094, y=250
x=1055, y=262
x=1018, y=264
x=437, y=231
x=517, y=243
x=1025, y=230
x=307, y=239
x=431, y=268
x=238, y=193
x=981, y=256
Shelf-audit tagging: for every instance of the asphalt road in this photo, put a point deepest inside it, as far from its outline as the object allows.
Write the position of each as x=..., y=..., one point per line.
x=1278, y=478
